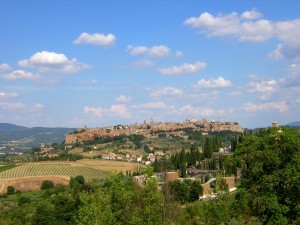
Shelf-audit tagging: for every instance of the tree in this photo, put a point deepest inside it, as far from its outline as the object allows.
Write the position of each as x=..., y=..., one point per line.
x=182, y=163
x=10, y=190
x=208, y=148
x=47, y=184
x=271, y=175
x=152, y=203
x=44, y=214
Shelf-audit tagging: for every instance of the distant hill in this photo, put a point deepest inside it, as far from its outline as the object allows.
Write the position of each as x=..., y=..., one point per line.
x=294, y=124
x=32, y=136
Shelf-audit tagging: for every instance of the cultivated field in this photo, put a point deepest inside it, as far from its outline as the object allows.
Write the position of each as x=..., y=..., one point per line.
x=31, y=183
x=109, y=165
x=53, y=169
x=29, y=176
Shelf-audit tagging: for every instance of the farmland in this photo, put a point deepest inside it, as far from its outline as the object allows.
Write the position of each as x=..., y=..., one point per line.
x=53, y=169
x=109, y=165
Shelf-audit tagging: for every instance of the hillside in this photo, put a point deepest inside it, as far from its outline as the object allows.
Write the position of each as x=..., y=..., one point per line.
x=18, y=136
x=294, y=124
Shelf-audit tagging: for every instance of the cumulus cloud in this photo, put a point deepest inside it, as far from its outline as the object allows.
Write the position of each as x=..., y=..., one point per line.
x=123, y=99
x=120, y=110
x=98, y=112
x=196, y=111
x=178, y=53
x=11, y=106
x=246, y=27
x=154, y=51
x=267, y=86
x=235, y=93
x=51, y=62
x=183, y=69
x=4, y=67
x=294, y=69
x=279, y=106
x=249, y=26
x=220, y=82
x=4, y=95
x=167, y=91
x=143, y=63
x=20, y=75
x=153, y=105
x=96, y=39
x=38, y=106
x=251, y=15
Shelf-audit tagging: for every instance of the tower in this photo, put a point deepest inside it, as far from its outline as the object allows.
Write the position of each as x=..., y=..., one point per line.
x=274, y=123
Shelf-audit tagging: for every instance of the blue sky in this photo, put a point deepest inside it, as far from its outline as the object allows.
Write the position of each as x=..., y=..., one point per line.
x=98, y=63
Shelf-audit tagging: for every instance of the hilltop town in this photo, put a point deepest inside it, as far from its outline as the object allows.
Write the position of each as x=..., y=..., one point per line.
x=152, y=129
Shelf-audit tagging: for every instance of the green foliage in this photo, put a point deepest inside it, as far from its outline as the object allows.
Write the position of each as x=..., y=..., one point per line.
x=208, y=148
x=186, y=191
x=7, y=167
x=149, y=171
x=44, y=214
x=47, y=184
x=182, y=162
x=23, y=200
x=10, y=190
x=217, y=211
x=271, y=174
x=69, y=156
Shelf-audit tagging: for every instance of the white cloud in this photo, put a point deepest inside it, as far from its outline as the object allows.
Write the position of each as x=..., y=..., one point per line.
x=263, y=86
x=183, y=69
x=153, y=105
x=38, y=106
x=235, y=93
x=4, y=95
x=120, y=110
x=178, y=53
x=257, y=31
x=251, y=15
x=143, y=63
x=280, y=106
x=169, y=91
x=154, y=51
x=4, y=67
x=221, y=25
x=294, y=69
x=196, y=111
x=98, y=112
x=51, y=62
x=277, y=53
x=123, y=99
x=249, y=26
x=20, y=75
x=11, y=106
x=220, y=82
x=245, y=27
x=96, y=39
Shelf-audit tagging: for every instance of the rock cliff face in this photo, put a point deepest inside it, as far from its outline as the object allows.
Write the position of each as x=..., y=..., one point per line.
x=88, y=134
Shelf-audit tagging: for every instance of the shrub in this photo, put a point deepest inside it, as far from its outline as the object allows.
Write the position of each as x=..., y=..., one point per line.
x=47, y=184
x=10, y=190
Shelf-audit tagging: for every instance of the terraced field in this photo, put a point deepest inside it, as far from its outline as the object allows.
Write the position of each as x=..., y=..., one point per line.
x=53, y=169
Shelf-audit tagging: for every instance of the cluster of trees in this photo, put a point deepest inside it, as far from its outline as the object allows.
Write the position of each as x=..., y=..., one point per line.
x=270, y=184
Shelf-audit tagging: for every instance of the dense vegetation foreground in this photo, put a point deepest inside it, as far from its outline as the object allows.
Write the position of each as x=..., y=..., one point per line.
x=268, y=193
